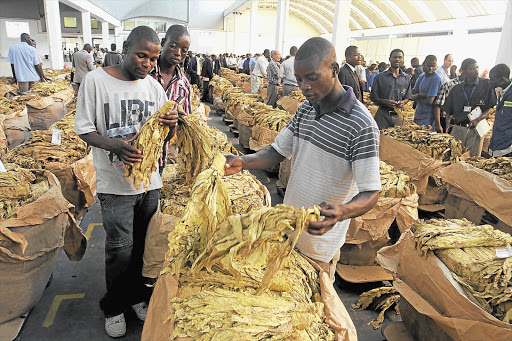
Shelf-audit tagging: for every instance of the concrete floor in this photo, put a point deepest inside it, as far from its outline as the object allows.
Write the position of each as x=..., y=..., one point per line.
x=81, y=319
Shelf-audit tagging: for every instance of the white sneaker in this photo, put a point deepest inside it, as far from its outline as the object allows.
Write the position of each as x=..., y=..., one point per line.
x=141, y=310
x=115, y=325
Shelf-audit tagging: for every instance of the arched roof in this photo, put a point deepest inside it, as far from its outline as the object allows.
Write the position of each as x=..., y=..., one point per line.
x=366, y=14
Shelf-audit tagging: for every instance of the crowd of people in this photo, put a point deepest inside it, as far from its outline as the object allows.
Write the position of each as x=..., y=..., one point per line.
x=333, y=139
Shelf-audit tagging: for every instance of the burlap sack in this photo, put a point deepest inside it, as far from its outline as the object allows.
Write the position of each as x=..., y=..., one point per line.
x=289, y=104
x=285, y=169
x=29, y=245
x=44, y=112
x=218, y=104
x=244, y=134
x=7, y=89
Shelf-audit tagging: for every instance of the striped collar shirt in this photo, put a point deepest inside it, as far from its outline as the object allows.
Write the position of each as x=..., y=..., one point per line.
x=273, y=72
x=177, y=89
x=335, y=155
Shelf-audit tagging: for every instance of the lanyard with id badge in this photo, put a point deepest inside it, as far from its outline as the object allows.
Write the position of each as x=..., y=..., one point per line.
x=467, y=108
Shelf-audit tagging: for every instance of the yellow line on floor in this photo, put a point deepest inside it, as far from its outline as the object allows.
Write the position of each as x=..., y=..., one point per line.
x=50, y=317
x=91, y=227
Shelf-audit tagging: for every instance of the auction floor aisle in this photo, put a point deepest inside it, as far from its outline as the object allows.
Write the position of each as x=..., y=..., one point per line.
x=69, y=308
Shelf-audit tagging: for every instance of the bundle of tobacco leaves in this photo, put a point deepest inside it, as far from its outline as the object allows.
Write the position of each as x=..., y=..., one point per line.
x=8, y=106
x=49, y=88
x=395, y=184
x=18, y=187
x=442, y=147
x=382, y=299
x=500, y=166
x=469, y=252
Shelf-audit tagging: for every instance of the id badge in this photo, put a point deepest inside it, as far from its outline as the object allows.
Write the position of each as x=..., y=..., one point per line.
x=467, y=108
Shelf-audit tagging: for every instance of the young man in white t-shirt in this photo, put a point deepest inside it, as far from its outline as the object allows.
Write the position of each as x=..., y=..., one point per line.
x=113, y=104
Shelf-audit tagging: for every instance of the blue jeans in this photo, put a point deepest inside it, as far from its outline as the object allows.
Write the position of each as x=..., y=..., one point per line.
x=425, y=122
x=125, y=219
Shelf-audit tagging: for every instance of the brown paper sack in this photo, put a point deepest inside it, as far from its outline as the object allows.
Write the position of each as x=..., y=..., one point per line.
x=261, y=137
x=263, y=95
x=486, y=189
x=218, y=104
x=289, y=104
x=78, y=182
x=44, y=111
x=30, y=242
x=6, y=89
x=247, y=87
x=159, y=327
x=16, y=127
x=417, y=165
x=429, y=287
x=64, y=96
x=244, y=134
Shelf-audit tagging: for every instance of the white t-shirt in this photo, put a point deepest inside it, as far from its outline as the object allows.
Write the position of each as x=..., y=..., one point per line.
x=116, y=109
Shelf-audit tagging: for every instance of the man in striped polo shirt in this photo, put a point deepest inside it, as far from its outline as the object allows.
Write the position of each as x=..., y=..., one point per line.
x=334, y=144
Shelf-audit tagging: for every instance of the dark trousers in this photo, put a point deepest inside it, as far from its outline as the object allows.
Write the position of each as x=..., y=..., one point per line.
x=194, y=79
x=205, y=97
x=125, y=219
x=385, y=119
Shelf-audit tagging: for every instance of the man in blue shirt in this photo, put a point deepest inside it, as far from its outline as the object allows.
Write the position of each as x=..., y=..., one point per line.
x=25, y=64
x=501, y=140
x=391, y=89
x=424, y=92
x=371, y=73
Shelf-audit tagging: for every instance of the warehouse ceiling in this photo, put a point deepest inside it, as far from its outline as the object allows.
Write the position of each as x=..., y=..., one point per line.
x=366, y=14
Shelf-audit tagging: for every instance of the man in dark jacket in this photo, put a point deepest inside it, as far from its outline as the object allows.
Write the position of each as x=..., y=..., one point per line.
x=348, y=75
x=207, y=75
x=112, y=58
x=501, y=140
x=216, y=65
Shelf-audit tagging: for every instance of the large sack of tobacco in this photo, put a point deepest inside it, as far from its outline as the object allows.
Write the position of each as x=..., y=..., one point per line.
x=44, y=111
x=429, y=286
x=30, y=242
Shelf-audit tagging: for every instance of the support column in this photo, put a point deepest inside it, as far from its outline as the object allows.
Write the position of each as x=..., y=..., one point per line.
x=86, y=28
x=282, y=18
x=504, y=54
x=341, y=28
x=52, y=17
x=117, y=38
x=105, y=35
x=234, y=32
x=252, y=28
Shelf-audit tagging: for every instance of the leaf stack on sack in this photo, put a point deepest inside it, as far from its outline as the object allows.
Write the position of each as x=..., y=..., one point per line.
x=397, y=204
x=238, y=277
x=36, y=221
x=449, y=271
x=69, y=161
x=14, y=120
x=267, y=124
x=46, y=103
x=419, y=153
x=196, y=146
x=382, y=299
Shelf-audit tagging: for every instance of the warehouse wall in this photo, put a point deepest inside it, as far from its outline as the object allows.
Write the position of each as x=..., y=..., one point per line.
x=40, y=38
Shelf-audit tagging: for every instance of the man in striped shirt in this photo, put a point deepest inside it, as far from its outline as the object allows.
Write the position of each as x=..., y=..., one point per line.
x=169, y=74
x=273, y=77
x=334, y=144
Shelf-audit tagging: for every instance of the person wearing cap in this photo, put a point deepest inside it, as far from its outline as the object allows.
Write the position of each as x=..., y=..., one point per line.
x=371, y=72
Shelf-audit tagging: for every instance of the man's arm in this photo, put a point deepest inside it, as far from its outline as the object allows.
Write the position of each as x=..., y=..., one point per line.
x=13, y=73
x=264, y=159
x=437, y=119
x=333, y=213
x=90, y=64
x=120, y=147
x=39, y=70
